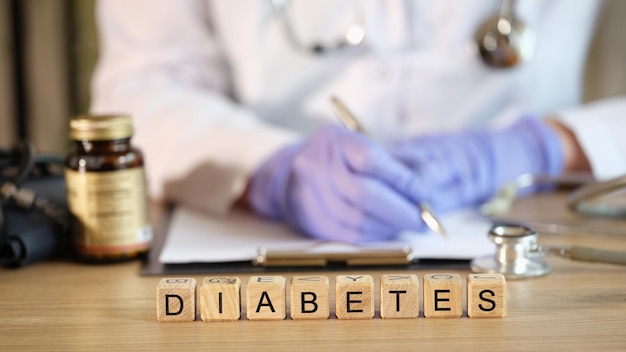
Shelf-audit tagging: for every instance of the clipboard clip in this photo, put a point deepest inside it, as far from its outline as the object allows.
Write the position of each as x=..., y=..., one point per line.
x=363, y=257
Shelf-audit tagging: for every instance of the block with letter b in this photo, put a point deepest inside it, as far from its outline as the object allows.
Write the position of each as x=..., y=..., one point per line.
x=486, y=296
x=399, y=296
x=266, y=298
x=309, y=297
x=443, y=296
x=220, y=299
x=176, y=299
x=354, y=297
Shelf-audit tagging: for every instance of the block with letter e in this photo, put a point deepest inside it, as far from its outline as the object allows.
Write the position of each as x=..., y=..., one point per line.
x=266, y=298
x=220, y=299
x=354, y=297
x=486, y=296
x=176, y=299
x=309, y=297
x=443, y=296
x=399, y=296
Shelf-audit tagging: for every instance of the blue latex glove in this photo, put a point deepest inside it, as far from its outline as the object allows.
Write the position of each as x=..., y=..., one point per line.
x=467, y=168
x=339, y=186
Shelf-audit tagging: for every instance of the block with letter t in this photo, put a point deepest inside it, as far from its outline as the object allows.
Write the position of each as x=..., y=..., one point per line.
x=176, y=299
x=399, y=296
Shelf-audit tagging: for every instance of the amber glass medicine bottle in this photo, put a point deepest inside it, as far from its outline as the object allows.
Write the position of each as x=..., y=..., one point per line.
x=106, y=190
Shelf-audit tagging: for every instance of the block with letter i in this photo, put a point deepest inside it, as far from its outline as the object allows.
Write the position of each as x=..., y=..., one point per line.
x=399, y=296
x=442, y=296
x=176, y=299
x=266, y=298
x=486, y=296
x=309, y=297
x=220, y=299
x=354, y=297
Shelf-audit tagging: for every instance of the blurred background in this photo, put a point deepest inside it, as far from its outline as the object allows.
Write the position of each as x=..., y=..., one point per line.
x=48, y=50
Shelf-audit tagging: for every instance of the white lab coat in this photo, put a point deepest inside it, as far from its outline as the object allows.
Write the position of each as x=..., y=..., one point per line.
x=215, y=88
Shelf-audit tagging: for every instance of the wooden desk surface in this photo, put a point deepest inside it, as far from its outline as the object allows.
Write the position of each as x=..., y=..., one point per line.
x=62, y=306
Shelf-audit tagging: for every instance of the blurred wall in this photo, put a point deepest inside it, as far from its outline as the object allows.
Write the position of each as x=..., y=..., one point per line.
x=48, y=52
x=7, y=128
x=57, y=50
x=606, y=64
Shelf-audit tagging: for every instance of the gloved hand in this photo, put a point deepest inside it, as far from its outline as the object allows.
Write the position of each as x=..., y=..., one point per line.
x=467, y=168
x=340, y=186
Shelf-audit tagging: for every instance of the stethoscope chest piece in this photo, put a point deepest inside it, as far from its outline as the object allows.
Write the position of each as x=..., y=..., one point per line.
x=515, y=256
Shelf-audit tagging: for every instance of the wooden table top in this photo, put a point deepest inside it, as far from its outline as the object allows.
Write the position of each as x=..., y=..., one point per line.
x=63, y=305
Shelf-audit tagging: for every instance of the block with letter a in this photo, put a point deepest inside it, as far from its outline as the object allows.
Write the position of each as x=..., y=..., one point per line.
x=266, y=298
x=176, y=299
x=486, y=296
x=220, y=299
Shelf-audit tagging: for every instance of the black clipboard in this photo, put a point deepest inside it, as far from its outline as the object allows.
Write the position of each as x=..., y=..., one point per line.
x=151, y=264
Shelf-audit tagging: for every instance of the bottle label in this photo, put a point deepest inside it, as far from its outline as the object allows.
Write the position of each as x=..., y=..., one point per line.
x=111, y=210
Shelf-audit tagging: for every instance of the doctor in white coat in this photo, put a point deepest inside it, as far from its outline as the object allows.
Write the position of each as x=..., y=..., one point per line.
x=230, y=102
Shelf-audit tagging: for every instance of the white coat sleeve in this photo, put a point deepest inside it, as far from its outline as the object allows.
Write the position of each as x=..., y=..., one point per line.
x=599, y=128
x=161, y=64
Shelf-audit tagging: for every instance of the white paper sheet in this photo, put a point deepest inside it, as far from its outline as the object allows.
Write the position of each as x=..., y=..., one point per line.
x=200, y=238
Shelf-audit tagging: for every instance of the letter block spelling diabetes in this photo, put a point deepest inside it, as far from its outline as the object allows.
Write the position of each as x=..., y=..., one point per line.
x=266, y=298
x=176, y=299
x=486, y=296
x=354, y=297
x=309, y=297
x=220, y=299
x=442, y=296
x=399, y=296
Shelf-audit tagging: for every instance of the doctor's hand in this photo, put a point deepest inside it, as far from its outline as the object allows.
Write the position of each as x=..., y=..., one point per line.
x=339, y=186
x=467, y=168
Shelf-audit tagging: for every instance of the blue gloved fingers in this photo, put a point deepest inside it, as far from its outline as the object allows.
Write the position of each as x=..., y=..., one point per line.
x=312, y=205
x=467, y=168
x=533, y=143
x=368, y=159
x=375, y=198
x=331, y=219
x=426, y=156
x=264, y=187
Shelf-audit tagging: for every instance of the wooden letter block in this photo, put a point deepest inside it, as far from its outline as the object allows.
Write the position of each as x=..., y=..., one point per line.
x=399, y=296
x=176, y=300
x=486, y=296
x=309, y=297
x=354, y=297
x=266, y=298
x=442, y=296
x=220, y=299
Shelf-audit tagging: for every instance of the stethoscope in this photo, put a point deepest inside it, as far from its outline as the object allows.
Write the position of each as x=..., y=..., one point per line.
x=518, y=255
x=502, y=41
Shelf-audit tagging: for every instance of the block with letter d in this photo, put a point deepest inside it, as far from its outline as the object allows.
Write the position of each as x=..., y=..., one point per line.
x=176, y=299
x=266, y=298
x=486, y=296
x=309, y=297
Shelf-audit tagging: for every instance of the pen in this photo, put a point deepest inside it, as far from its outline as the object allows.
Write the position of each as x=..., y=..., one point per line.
x=350, y=122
